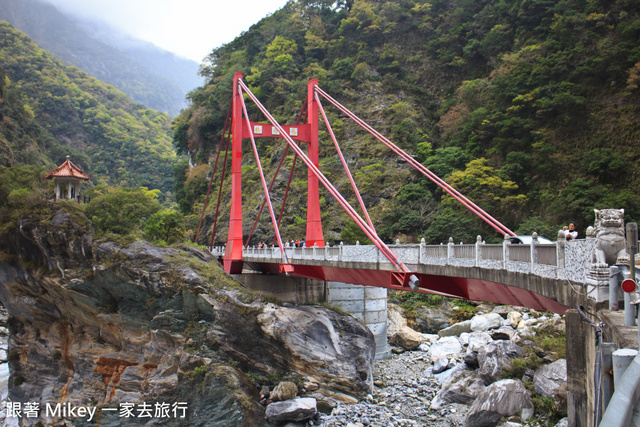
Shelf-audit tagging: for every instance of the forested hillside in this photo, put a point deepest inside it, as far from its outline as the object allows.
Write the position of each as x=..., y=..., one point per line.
x=49, y=110
x=528, y=107
x=151, y=76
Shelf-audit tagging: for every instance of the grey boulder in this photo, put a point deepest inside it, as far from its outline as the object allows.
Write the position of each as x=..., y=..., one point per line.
x=503, y=398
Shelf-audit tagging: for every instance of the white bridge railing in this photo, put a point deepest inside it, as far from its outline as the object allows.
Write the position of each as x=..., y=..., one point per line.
x=561, y=260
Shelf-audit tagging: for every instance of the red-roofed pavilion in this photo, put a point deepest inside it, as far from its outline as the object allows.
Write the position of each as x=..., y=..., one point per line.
x=67, y=179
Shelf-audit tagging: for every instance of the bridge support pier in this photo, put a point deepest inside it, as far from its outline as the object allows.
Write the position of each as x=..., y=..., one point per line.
x=295, y=290
x=581, y=358
x=366, y=303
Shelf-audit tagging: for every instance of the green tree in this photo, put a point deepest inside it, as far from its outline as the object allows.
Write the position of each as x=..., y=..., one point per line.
x=412, y=211
x=446, y=160
x=538, y=225
x=166, y=225
x=482, y=184
x=22, y=188
x=352, y=233
x=122, y=210
x=453, y=223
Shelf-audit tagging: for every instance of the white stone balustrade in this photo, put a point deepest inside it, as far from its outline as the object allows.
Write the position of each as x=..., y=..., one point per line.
x=569, y=260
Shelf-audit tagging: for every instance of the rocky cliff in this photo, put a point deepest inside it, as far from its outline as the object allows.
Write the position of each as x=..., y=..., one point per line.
x=157, y=335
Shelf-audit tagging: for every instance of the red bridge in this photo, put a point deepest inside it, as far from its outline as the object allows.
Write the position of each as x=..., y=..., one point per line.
x=527, y=275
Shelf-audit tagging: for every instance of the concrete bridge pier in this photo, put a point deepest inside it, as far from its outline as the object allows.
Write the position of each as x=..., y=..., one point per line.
x=286, y=288
x=366, y=303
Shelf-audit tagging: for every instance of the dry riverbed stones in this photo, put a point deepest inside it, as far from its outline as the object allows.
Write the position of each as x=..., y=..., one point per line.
x=453, y=378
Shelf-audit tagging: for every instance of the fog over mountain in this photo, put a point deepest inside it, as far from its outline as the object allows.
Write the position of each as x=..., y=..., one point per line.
x=151, y=76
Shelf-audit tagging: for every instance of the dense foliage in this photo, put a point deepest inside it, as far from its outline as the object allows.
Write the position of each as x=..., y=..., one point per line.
x=165, y=226
x=119, y=213
x=122, y=210
x=529, y=107
x=152, y=77
x=49, y=110
x=22, y=189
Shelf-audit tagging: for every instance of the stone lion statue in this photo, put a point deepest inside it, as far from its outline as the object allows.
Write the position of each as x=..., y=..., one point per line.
x=611, y=243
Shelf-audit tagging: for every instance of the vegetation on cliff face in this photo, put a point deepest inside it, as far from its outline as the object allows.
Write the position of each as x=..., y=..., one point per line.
x=49, y=110
x=151, y=76
x=141, y=323
x=529, y=108
x=115, y=213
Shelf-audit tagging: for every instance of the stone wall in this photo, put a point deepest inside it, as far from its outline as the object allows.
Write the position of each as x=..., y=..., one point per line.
x=582, y=350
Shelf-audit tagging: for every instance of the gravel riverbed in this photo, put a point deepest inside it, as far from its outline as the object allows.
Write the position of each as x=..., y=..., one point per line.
x=402, y=396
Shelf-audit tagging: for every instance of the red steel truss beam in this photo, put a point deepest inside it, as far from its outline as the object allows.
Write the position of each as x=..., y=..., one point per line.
x=264, y=130
x=456, y=287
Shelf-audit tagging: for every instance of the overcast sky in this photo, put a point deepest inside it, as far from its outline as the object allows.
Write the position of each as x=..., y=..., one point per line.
x=188, y=28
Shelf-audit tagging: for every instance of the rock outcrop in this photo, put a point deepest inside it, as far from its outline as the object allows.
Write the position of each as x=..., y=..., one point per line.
x=435, y=383
x=503, y=398
x=431, y=320
x=551, y=381
x=494, y=357
x=461, y=388
x=99, y=325
x=300, y=409
x=407, y=338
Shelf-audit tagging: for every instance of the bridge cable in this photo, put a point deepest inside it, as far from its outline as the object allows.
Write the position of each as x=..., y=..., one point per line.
x=452, y=191
x=433, y=177
x=344, y=162
x=286, y=193
x=213, y=172
x=264, y=182
x=264, y=202
x=369, y=231
x=304, y=111
x=224, y=168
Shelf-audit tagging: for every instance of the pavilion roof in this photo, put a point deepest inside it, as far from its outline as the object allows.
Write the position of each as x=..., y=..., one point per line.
x=67, y=170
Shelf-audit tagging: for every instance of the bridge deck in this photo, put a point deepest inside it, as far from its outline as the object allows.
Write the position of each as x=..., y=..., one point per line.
x=533, y=276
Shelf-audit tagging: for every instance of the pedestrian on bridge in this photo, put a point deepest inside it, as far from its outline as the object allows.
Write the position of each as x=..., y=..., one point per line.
x=570, y=232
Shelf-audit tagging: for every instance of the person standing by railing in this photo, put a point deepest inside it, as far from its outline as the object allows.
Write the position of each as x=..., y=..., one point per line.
x=570, y=232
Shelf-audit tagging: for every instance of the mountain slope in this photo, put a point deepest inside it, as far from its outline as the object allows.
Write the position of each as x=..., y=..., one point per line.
x=529, y=108
x=152, y=77
x=49, y=110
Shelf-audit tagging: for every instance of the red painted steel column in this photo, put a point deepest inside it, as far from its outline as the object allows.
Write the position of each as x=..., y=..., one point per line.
x=314, y=221
x=233, y=253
